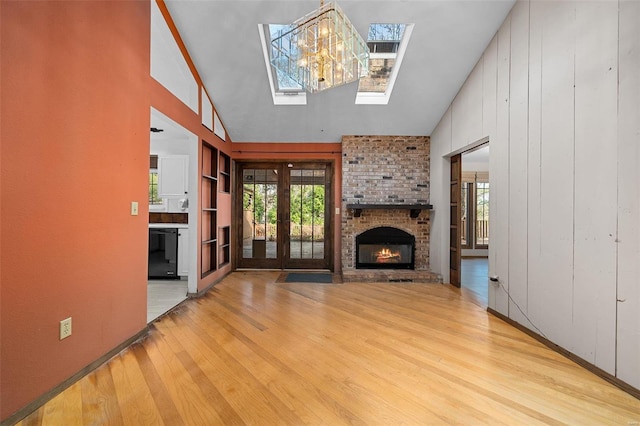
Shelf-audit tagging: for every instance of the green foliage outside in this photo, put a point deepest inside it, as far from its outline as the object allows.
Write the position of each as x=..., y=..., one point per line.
x=153, y=189
x=307, y=212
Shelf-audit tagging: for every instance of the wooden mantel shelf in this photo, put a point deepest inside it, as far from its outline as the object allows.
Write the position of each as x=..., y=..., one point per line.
x=414, y=209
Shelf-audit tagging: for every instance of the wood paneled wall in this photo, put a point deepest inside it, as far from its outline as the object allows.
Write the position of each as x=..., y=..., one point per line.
x=557, y=94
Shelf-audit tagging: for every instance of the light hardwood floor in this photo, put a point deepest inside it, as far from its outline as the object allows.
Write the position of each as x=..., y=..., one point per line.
x=253, y=351
x=474, y=276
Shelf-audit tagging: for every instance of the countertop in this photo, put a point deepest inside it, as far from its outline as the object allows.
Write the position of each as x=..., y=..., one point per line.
x=169, y=225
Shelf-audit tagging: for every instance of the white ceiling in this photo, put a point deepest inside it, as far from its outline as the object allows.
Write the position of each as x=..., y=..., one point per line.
x=222, y=38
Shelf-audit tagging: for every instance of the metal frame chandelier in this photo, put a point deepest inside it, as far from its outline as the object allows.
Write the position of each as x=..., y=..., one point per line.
x=321, y=50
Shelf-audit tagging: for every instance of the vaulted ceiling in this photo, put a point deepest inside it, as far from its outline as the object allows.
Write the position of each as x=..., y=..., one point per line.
x=222, y=38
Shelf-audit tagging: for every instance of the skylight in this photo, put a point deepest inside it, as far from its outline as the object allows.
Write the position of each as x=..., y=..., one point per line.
x=284, y=90
x=387, y=44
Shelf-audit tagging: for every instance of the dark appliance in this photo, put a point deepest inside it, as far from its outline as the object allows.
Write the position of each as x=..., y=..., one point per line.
x=163, y=253
x=385, y=248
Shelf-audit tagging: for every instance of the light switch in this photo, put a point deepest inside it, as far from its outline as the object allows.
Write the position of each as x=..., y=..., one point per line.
x=134, y=208
x=337, y=210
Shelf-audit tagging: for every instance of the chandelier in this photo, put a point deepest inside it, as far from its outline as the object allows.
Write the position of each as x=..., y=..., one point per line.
x=321, y=50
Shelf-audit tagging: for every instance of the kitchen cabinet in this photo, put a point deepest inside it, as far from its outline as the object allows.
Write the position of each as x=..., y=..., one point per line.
x=183, y=252
x=173, y=176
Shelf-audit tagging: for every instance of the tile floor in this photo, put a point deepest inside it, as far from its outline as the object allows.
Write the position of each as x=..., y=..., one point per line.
x=163, y=295
x=475, y=278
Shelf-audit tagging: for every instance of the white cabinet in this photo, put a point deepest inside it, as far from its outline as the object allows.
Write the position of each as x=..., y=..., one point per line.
x=173, y=176
x=183, y=252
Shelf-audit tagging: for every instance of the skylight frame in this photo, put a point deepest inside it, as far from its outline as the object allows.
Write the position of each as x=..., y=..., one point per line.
x=280, y=96
x=379, y=98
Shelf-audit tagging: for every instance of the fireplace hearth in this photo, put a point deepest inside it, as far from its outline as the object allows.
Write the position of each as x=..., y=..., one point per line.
x=385, y=248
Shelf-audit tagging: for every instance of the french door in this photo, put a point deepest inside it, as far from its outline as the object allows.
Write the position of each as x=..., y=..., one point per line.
x=285, y=218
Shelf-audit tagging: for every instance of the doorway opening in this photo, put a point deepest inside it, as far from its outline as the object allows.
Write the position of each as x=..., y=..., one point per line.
x=474, y=222
x=286, y=221
x=173, y=170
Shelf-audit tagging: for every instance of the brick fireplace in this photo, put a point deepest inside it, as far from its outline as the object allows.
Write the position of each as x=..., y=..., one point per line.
x=385, y=184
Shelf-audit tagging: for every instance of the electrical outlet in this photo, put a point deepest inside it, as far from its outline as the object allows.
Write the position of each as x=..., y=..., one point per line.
x=134, y=208
x=65, y=328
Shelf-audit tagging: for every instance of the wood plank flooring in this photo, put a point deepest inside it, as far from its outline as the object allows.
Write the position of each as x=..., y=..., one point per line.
x=474, y=276
x=253, y=351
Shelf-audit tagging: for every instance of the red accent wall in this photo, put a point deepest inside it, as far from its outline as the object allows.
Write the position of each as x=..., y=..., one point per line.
x=259, y=151
x=74, y=155
x=74, y=134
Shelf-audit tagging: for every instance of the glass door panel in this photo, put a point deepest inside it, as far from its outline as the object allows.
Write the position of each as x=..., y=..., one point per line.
x=306, y=214
x=308, y=220
x=260, y=218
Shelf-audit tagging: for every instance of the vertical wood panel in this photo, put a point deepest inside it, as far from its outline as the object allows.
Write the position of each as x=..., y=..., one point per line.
x=628, y=350
x=489, y=78
x=489, y=82
x=439, y=170
x=499, y=175
x=569, y=153
x=518, y=136
x=552, y=302
x=535, y=269
x=594, y=290
x=466, y=111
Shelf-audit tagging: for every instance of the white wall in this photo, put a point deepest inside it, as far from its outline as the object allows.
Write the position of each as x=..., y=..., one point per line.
x=557, y=92
x=168, y=65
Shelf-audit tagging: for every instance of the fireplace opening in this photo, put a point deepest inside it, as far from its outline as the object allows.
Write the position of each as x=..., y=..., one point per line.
x=385, y=248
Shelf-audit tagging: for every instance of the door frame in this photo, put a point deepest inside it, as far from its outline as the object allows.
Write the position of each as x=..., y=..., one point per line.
x=283, y=261
x=454, y=222
x=455, y=250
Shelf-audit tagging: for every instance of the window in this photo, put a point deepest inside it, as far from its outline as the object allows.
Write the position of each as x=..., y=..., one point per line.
x=153, y=188
x=482, y=214
x=474, y=199
x=154, y=198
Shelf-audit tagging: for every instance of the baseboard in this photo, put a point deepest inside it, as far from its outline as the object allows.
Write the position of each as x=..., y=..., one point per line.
x=207, y=288
x=37, y=403
x=571, y=356
x=47, y=396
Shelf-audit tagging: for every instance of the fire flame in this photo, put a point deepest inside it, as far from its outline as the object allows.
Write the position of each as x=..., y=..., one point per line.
x=385, y=255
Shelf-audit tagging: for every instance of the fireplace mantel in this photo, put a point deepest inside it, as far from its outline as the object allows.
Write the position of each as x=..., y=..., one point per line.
x=414, y=209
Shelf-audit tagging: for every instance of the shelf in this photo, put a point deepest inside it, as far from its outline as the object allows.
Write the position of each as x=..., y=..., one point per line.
x=414, y=209
x=208, y=214
x=225, y=173
x=224, y=239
